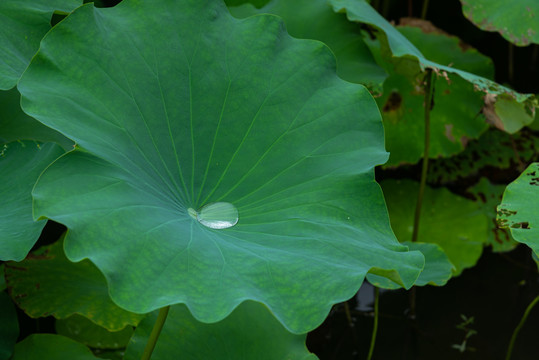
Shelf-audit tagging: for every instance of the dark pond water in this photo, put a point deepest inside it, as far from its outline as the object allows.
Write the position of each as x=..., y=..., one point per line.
x=495, y=293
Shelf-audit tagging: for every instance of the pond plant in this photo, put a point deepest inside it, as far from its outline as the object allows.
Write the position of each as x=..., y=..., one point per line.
x=211, y=168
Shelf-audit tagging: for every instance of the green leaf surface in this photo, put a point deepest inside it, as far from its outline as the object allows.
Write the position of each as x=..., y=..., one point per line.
x=250, y=332
x=519, y=211
x=455, y=117
x=20, y=165
x=24, y=23
x=47, y=283
x=437, y=271
x=488, y=196
x=16, y=125
x=81, y=329
x=51, y=347
x=314, y=19
x=9, y=329
x=181, y=105
x=449, y=220
x=402, y=50
x=515, y=20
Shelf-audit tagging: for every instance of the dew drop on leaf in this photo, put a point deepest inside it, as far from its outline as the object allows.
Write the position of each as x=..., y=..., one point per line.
x=219, y=215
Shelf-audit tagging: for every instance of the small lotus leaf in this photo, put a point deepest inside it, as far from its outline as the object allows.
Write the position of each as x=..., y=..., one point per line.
x=21, y=162
x=437, y=271
x=180, y=105
x=519, y=211
x=51, y=347
x=449, y=220
x=250, y=332
x=80, y=329
x=47, y=283
x=24, y=23
x=515, y=20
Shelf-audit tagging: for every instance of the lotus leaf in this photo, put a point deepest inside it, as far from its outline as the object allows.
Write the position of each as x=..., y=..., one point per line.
x=51, y=347
x=47, y=283
x=250, y=332
x=449, y=220
x=515, y=20
x=402, y=50
x=455, y=117
x=437, y=271
x=180, y=105
x=21, y=162
x=81, y=329
x=355, y=63
x=518, y=210
x=24, y=23
x=16, y=125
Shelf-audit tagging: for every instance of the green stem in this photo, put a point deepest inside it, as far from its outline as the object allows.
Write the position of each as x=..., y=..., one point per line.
x=375, y=326
x=158, y=326
x=428, y=101
x=424, y=10
x=519, y=326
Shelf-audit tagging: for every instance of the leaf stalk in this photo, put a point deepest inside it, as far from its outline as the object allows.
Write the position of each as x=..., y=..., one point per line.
x=154, y=336
x=519, y=326
x=375, y=325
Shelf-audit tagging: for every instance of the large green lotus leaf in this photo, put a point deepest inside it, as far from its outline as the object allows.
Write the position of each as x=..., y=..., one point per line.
x=179, y=106
x=47, y=283
x=16, y=125
x=402, y=50
x=9, y=331
x=519, y=211
x=51, y=347
x=81, y=329
x=449, y=220
x=314, y=19
x=20, y=165
x=250, y=332
x=454, y=117
x=515, y=20
x=488, y=196
x=24, y=23
x=437, y=271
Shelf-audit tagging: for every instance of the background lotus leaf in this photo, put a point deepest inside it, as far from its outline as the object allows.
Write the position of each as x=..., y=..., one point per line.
x=81, y=329
x=355, y=62
x=518, y=210
x=16, y=125
x=21, y=162
x=456, y=115
x=449, y=220
x=510, y=152
x=51, y=347
x=24, y=23
x=400, y=49
x=47, y=283
x=437, y=271
x=181, y=105
x=515, y=20
x=250, y=332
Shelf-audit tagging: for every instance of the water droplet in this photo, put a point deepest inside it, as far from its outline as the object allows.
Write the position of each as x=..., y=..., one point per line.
x=219, y=215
